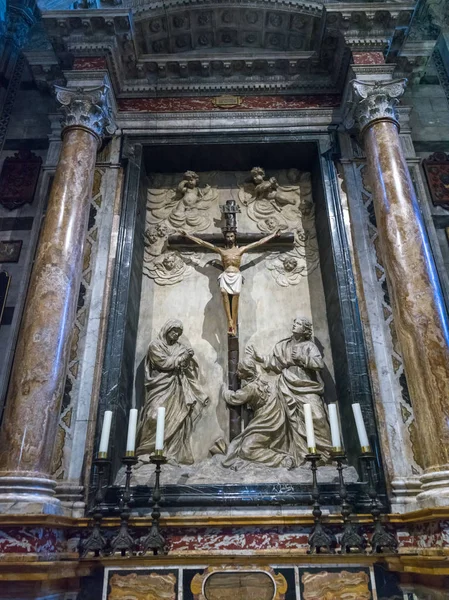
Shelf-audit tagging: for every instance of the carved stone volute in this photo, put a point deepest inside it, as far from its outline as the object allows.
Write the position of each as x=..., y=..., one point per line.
x=374, y=101
x=89, y=108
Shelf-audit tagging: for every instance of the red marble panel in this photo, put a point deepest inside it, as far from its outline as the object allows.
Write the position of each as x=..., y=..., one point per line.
x=237, y=539
x=247, y=103
x=24, y=540
x=89, y=63
x=368, y=58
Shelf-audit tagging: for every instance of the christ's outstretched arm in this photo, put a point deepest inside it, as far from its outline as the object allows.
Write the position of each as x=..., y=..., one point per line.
x=260, y=242
x=200, y=242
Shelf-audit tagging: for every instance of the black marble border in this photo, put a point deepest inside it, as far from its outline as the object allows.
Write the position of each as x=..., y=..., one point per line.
x=117, y=380
x=352, y=379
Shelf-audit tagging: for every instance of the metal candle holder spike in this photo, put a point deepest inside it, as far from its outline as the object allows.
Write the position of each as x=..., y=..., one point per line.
x=350, y=538
x=381, y=539
x=96, y=543
x=319, y=540
x=155, y=541
x=123, y=542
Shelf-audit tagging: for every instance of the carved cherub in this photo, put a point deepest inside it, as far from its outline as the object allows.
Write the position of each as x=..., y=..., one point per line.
x=187, y=206
x=265, y=198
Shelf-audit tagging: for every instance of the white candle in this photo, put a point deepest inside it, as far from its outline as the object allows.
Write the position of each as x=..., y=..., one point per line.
x=160, y=428
x=361, y=430
x=335, y=426
x=310, y=433
x=132, y=428
x=105, y=433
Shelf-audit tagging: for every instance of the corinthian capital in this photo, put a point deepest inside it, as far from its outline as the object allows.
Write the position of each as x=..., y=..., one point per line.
x=372, y=101
x=87, y=107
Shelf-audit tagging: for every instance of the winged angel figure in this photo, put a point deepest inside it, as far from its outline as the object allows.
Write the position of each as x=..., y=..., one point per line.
x=288, y=208
x=265, y=199
x=185, y=207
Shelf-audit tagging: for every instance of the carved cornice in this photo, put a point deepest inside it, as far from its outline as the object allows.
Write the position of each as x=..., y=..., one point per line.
x=189, y=46
x=89, y=108
x=374, y=101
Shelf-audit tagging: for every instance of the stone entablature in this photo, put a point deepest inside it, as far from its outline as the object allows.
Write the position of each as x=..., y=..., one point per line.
x=197, y=48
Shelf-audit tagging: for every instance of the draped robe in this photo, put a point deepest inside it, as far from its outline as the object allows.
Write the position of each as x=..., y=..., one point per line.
x=299, y=383
x=267, y=438
x=169, y=384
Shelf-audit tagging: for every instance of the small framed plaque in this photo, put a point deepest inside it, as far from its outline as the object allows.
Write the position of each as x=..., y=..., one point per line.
x=10, y=251
x=227, y=101
x=436, y=168
x=18, y=179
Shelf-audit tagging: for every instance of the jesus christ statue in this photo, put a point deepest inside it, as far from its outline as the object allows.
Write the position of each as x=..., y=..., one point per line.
x=231, y=278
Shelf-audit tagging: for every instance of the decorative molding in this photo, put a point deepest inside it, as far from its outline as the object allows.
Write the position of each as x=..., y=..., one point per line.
x=209, y=103
x=372, y=101
x=88, y=107
x=180, y=47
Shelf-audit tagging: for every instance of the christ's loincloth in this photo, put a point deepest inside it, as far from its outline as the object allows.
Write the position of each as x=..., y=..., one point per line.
x=231, y=282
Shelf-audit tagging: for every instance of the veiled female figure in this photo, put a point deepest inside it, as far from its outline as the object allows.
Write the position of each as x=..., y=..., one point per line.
x=171, y=380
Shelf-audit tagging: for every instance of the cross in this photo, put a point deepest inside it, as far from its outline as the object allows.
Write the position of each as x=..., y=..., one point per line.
x=231, y=280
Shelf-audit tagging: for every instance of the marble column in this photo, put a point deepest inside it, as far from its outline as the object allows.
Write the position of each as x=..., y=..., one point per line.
x=417, y=302
x=37, y=379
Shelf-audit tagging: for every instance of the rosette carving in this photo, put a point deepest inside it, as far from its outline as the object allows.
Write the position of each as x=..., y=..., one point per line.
x=88, y=107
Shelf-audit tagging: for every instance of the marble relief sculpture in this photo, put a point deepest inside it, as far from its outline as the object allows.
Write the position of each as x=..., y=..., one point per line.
x=286, y=208
x=172, y=381
x=185, y=207
x=298, y=362
x=268, y=437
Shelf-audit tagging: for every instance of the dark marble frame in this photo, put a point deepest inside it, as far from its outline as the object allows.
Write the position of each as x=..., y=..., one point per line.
x=351, y=369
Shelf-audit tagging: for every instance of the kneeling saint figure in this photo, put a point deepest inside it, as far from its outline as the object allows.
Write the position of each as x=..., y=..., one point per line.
x=298, y=362
x=267, y=438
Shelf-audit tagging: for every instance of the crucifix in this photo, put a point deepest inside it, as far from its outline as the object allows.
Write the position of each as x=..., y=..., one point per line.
x=230, y=281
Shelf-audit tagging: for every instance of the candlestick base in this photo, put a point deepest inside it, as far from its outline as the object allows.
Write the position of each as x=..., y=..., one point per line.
x=381, y=539
x=155, y=541
x=350, y=539
x=96, y=543
x=123, y=543
x=319, y=540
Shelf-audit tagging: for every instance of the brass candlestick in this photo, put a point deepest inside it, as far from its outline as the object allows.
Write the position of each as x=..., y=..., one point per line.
x=381, y=538
x=350, y=538
x=318, y=540
x=96, y=543
x=155, y=541
x=123, y=542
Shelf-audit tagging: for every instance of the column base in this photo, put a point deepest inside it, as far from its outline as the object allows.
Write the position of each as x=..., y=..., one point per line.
x=70, y=493
x=434, y=489
x=27, y=495
x=404, y=494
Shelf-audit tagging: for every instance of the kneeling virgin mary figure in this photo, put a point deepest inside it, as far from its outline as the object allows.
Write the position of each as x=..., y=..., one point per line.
x=171, y=380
